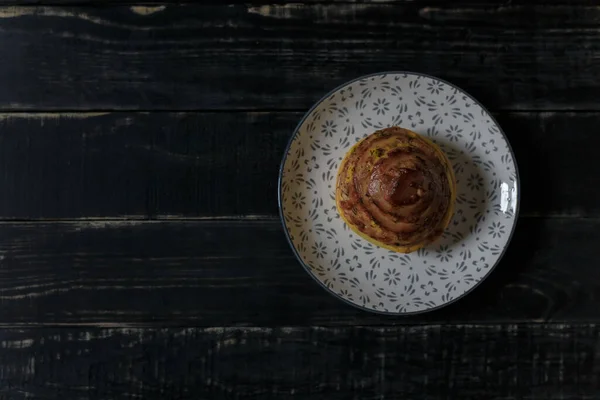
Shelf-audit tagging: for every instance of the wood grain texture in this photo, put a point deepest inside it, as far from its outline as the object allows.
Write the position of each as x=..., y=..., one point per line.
x=173, y=165
x=425, y=362
x=141, y=165
x=514, y=56
x=440, y=3
x=230, y=273
x=97, y=307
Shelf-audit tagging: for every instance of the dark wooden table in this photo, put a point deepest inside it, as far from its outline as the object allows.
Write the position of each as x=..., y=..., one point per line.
x=141, y=255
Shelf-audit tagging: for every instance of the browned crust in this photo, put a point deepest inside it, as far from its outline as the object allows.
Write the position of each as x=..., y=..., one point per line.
x=396, y=189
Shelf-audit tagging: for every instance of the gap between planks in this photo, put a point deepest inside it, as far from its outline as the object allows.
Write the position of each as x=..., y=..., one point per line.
x=143, y=219
x=507, y=325
x=88, y=113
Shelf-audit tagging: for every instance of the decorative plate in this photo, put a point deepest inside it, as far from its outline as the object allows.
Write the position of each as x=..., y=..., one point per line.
x=371, y=277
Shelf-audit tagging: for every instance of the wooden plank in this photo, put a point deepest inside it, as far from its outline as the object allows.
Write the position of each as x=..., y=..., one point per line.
x=557, y=168
x=243, y=273
x=165, y=165
x=424, y=362
x=141, y=165
x=514, y=56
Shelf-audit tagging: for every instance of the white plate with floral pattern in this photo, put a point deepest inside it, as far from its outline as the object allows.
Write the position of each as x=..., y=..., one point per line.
x=371, y=277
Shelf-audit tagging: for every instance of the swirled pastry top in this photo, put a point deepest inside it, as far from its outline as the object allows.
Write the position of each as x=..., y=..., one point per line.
x=396, y=189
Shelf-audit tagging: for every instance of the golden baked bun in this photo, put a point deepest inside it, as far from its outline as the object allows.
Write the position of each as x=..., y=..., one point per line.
x=396, y=189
